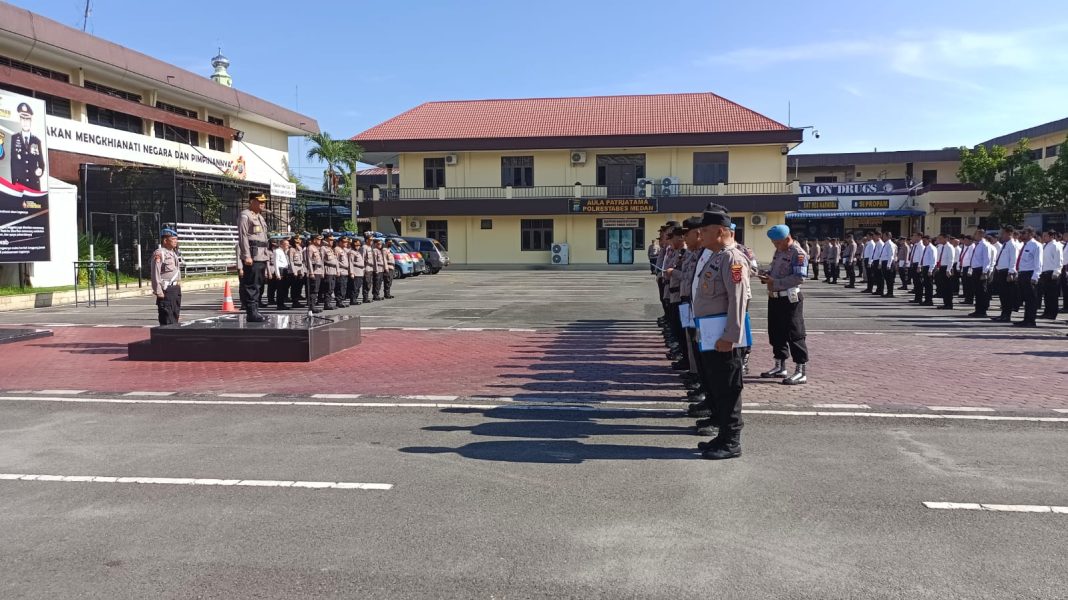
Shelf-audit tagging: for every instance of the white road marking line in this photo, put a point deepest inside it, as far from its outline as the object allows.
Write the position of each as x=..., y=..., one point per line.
x=840, y=406
x=336, y=396
x=961, y=408
x=150, y=393
x=240, y=395
x=556, y=405
x=337, y=485
x=1018, y=508
x=432, y=398
x=1061, y=410
x=110, y=325
x=523, y=330
x=469, y=329
x=59, y=392
x=867, y=333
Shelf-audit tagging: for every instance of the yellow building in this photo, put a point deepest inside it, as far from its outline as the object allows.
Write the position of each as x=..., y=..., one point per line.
x=912, y=190
x=508, y=181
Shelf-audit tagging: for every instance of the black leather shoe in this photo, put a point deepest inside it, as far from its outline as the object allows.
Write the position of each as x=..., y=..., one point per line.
x=849, y=287
x=1001, y=319
x=316, y=310
x=680, y=365
x=697, y=398
x=699, y=411
x=927, y=304
x=1025, y=324
x=977, y=315
x=944, y=307
x=696, y=395
x=298, y=305
x=255, y=318
x=722, y=452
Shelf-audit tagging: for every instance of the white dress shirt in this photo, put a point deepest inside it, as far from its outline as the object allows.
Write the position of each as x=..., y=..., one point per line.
x=1006, y=257
x=983, y=256
x=1064, y=258
x=927, y=256
x=281, y=261
x=915, y=252
x=945, y=256
x=877, y=251
x=1051, y=257
x=964, y=259
x=869, y=249
x=1031, y=258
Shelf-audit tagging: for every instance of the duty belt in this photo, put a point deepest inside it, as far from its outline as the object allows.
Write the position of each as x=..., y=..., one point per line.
x=784, y=293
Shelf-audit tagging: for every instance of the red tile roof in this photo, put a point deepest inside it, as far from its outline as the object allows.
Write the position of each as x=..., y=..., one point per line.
x=571, y=117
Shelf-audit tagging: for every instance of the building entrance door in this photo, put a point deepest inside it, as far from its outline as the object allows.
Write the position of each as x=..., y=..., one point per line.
x=620, y=246
x=620, y=180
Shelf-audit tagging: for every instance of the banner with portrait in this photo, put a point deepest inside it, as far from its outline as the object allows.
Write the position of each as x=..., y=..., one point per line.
x=24, y=219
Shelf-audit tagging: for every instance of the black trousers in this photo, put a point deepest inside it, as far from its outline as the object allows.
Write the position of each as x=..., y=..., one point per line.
x=832, y=271
x=878, y=273
x=296, y=284
x=252, y=283
x=923, y=291
x=945, y=288
x=377, y=286
x=981, y=290
x=815, y=270
x=913, y=274
x=1028, y=295
x=1051, y=295
x=721, y=377
x=786, y=329
x=169, y=306
x=1064, y=289
x=675, y=323
x=341, y=283
x=352, y=291
x=1007, y=292
x=387, y=282
x=868, y=276
x=889, y=273
x=967, y=284
x=326, y=292
x=242, y=293
x=282, y=289
x=314, y=283
x=851, y=273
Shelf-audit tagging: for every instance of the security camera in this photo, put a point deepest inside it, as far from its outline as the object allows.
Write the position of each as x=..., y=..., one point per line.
x=784, y=149
x=816, y=133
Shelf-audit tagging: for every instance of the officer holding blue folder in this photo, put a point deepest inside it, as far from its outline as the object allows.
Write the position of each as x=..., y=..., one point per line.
x=719, y=292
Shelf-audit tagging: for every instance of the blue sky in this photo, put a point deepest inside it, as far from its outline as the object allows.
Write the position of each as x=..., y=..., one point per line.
x=901, y=75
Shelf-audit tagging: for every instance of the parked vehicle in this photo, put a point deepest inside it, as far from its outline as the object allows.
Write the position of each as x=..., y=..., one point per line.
x=433, y=252
x=418, y=264
x=404, y=265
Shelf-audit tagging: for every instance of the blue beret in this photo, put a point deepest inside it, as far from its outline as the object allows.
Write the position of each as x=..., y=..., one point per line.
x=168, y=232
x=779, y=232
x=734, y=226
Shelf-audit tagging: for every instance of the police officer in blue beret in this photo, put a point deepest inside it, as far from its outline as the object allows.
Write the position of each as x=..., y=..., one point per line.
x=786, y=306
x=27, y=152
x=166, y=278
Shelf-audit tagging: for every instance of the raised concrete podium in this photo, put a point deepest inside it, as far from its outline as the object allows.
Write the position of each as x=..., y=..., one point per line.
x=231, y=338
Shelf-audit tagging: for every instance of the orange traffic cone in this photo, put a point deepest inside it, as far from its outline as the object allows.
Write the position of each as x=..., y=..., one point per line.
x=228, y=300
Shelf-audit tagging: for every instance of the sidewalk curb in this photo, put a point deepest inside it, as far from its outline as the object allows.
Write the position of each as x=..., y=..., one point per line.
x=49, y=299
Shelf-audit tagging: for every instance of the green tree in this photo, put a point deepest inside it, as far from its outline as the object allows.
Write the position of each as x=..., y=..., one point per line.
x=1058, y=179
x=340, y=156
x=1013, y=184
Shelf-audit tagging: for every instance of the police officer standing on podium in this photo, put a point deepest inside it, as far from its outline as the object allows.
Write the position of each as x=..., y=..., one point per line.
x=166, y=276
x=252, y=248
x=786, y=306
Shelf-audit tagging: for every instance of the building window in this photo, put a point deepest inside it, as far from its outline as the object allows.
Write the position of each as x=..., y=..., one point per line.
x=1052, y=151
x=950, y=226
x=486, y=224
x=176, y=134
x=535, y=234
x=639, y=235
x=517, y=171
x=624, y=170
x=115, y=120
x=438, y=230
x=54, y=105
x=215, y=142
x=709, y=168
x=739, y=229
x=825, y=179
x=930, y=176
x=43, y=72
x=433, y=173
x=178, y=110
x=1035, y=154
x=110, y=91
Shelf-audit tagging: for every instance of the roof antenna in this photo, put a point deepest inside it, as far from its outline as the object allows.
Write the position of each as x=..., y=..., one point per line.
x=85, y=17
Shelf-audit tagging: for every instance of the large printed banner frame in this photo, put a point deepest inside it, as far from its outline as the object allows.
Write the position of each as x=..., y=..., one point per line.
x=24, y=218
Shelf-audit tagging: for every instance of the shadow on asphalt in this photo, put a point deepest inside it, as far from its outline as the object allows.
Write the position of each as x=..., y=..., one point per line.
x=87, y=347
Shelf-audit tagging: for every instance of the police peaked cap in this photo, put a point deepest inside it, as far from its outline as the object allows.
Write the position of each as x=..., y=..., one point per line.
x=715, y=217
x=24, y=109
x=691, y=224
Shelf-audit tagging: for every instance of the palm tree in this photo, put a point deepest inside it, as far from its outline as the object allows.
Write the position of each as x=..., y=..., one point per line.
x=340, y=157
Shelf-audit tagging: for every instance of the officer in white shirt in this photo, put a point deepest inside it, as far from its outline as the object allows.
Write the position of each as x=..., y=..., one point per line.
x=1005, y=274
x=923, y=291
x=869, y=250
x=981, y=266
x=886, y=265
x=943, y=265
x=1049, y=281
x=281, y=275
x=963, y=268
x=915, y=251
x=1064, y=275
x=1029, y=270
x=875, y=274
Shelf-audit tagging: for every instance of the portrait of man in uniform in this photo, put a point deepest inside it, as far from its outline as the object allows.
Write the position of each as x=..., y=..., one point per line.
x=27, y=152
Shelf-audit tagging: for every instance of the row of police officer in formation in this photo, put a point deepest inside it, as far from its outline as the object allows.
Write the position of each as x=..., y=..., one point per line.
x=1022, y=268
x=703, y=278
x=331, y=269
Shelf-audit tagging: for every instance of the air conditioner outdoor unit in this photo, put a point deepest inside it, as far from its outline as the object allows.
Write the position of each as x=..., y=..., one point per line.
x=639, y=187
x=578, y=157
x=758, y=220
x=560, y=254
x=971, y=221
x=414, y=224
x=669, y=186
x=451, y=159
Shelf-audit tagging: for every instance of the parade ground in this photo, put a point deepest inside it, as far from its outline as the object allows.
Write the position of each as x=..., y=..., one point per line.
x=520, y=434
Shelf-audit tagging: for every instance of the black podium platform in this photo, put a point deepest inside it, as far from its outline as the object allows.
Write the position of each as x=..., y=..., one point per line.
x=18, y=335
x=231, y=338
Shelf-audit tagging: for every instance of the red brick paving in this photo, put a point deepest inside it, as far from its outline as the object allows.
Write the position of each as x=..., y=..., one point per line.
x=879, y=370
